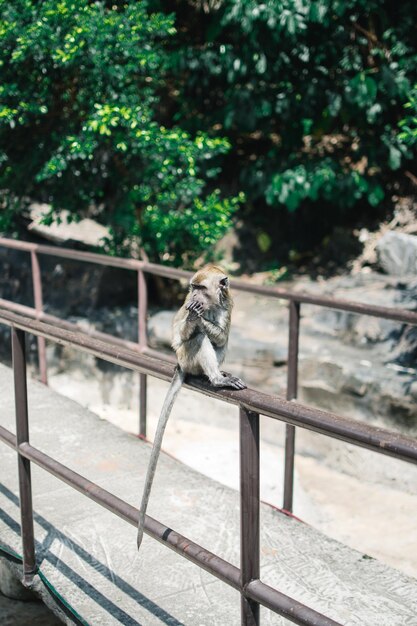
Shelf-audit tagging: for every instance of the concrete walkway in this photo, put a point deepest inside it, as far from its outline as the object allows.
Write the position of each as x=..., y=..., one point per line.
x=378, y=518
x=90, y=556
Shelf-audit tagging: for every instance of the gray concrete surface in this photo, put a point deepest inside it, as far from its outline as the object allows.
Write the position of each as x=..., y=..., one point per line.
x=18, y=604
x=11, y=587
x=378, y=518
x=90, y=556
x=18, y=613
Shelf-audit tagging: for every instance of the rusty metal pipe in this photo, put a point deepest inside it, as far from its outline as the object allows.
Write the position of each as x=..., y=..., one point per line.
x=292, y=388
x=143, y=342
x=289, y=608
x=30, y=312
x=22, y=436
x=38, y=299
x=75, y=255
x=249, y=511
x=404, y=316
x=7, y=437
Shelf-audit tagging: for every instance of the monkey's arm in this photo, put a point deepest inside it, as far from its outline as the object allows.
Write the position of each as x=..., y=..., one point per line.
x=217, y=329
x=217, y=334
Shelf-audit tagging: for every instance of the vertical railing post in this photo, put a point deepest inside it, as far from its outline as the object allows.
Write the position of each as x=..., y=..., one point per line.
x=143, y=341
x=249, y=511
x=22, y=436
x=292, y=385
x=38, y=299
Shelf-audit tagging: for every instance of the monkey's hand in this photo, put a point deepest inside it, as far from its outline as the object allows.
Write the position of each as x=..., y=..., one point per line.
x=195, y=309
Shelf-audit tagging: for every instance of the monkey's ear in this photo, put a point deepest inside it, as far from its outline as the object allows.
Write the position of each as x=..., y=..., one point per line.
x=224, y=282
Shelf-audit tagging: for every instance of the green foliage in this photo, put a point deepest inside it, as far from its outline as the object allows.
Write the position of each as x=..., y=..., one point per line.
x=138, y=112
x=322, y=181
x=183, y=233
x=408, y=125
x=309, y=92
x=79, y=126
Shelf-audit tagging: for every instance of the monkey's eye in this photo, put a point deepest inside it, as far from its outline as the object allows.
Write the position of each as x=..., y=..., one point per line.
x=196, y=287
x=224, y=282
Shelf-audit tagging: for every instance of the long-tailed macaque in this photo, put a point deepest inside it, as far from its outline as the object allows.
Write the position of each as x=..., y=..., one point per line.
x=200, y=334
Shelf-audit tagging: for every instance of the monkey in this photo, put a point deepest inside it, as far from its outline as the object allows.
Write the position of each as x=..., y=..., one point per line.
x=200, y=333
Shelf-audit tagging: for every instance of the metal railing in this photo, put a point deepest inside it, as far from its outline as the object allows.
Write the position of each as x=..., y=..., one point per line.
x=251, y=403
x=295, y=300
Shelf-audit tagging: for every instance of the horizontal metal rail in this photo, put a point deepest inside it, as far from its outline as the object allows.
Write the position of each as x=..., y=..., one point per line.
x=346, y=429
x=215, y=565
x=404, y=316
x=30, y=312
x=74, y=255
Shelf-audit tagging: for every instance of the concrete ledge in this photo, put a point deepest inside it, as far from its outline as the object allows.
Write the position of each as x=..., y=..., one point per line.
x=22, y=611
x=90, y=556
x=11, y=585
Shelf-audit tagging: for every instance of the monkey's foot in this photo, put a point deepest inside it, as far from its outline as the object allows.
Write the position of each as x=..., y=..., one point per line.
x=225, y=380
x=230, y=381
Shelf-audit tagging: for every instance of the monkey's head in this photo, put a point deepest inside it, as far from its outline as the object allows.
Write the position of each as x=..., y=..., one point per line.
x=210, y=287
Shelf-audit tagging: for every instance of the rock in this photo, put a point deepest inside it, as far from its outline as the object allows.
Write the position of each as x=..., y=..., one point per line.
x=404, y=351
x=225, y=250
x=160, y=329
x=397, y=253
x=86, y=231
x=413, y=390
x=355, y=385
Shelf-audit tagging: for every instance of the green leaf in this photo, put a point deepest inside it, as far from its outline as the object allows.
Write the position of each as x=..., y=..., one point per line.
x=376, y=195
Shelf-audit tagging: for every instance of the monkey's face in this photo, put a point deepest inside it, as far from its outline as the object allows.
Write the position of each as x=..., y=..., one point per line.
x=209, y=288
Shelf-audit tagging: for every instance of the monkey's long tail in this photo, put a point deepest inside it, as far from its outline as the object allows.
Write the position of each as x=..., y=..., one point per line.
x=170, y=398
